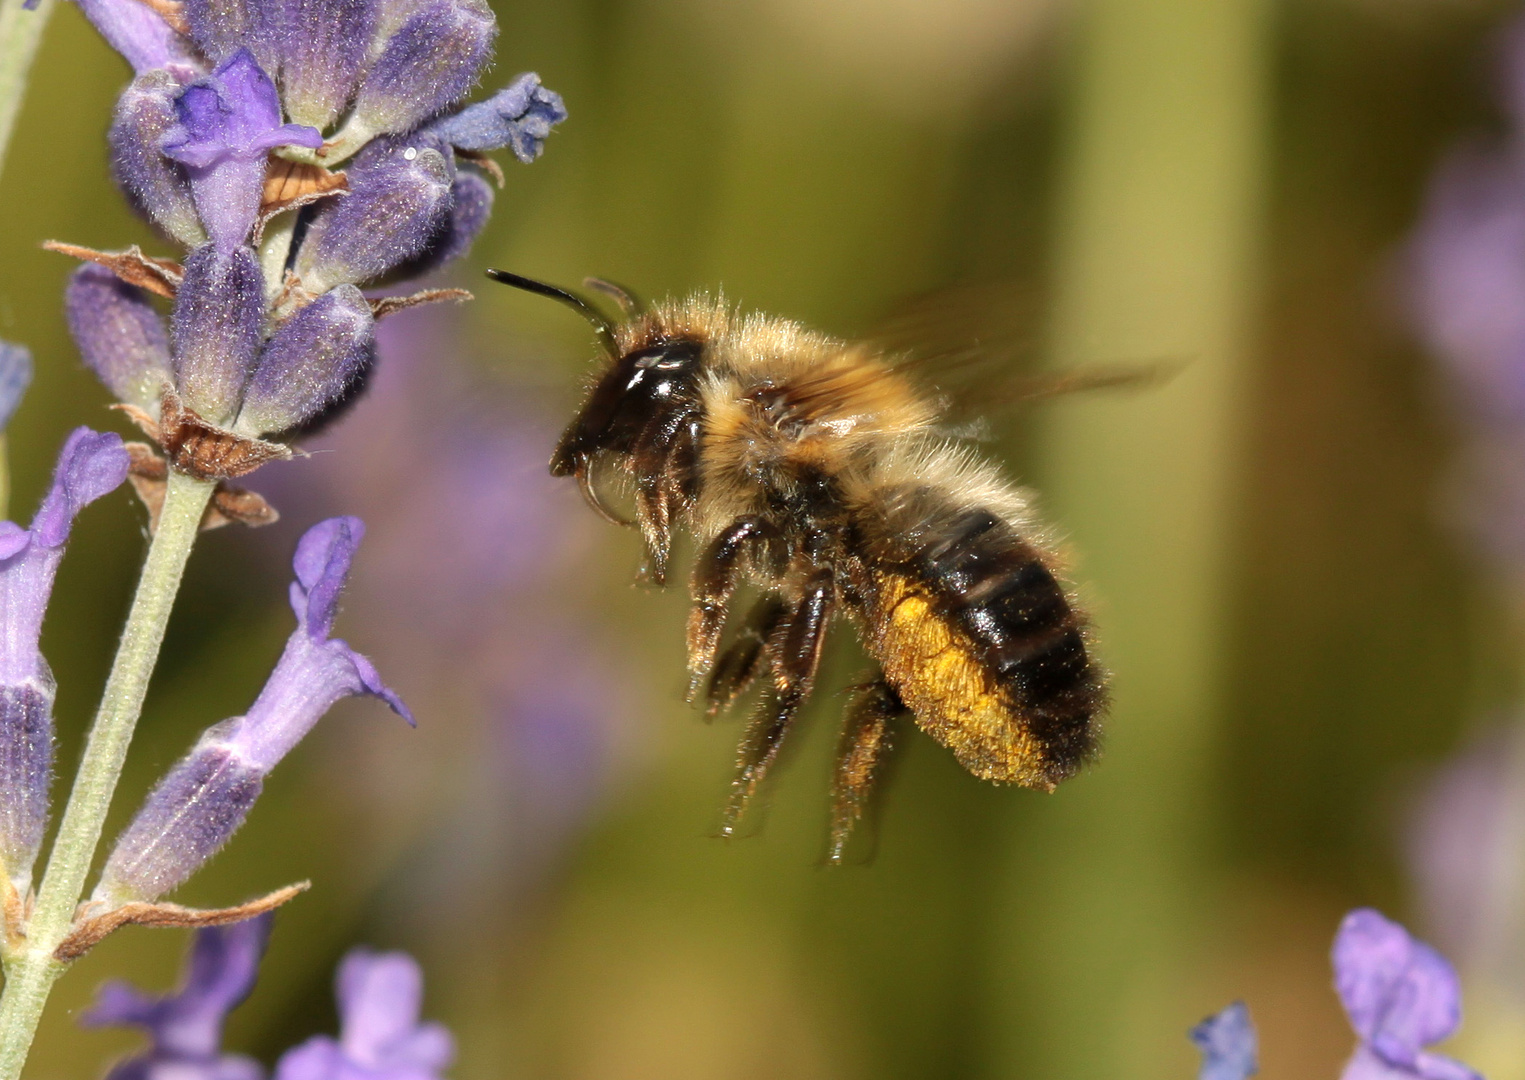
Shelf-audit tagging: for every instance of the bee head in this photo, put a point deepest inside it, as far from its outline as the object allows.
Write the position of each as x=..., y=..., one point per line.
x=640, y=385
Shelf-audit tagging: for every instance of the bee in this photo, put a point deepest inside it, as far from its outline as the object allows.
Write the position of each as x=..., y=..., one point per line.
x=822, y=473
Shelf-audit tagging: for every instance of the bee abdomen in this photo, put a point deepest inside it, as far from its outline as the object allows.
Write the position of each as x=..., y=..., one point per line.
x=990, y=653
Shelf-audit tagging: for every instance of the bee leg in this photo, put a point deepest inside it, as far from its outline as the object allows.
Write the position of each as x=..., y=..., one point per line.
x=865, y=742
x=715, y=576
x=738, y=665
x=795, y=649
x=665, y=455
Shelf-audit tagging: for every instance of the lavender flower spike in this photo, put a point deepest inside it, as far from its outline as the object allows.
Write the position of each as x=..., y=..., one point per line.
x=380, y=995
x=1401, y=996
x=185, y=1027
x=230, y=120
x=1228, y=1045
x=204, y=799
x=91, y=465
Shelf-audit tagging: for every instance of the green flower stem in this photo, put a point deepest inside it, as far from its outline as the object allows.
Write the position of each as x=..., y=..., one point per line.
x=31, y=970
x=20, y=35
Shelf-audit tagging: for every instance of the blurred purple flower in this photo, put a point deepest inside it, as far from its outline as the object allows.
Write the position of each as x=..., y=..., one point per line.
x=91, y=465
x=1227, y=1042
x=1401, y=996
x=185, y=1027
x=380, y=997
x=15, y=377
x=204, y=799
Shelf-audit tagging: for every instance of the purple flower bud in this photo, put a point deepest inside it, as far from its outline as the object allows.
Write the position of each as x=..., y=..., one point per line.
x=119, y=335
x=520, y=117
x=380, y=997
x=426, y=66
x=156, y=185
x=1227, y=1042
x=133, y=29
x=91, y=464
x=204, y=798
x=398, y=205
x=323, y=47
x=221, y=28
x=311, y=364
x=230, y=120
x=185, y=1027
x=470, y=209
x=1401, y=996
x=15, y=377
x=217, y=325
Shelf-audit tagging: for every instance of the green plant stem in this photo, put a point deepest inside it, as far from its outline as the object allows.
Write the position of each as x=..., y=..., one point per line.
x=20, y=35
x=31, y=970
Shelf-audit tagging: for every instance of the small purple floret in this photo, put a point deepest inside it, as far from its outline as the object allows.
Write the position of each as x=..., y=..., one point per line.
x=311, y=364
x=470, y=208
x=322, y=46
x=519, y=117
x=380, y=997
x=185, y=1027
x=229, y=121
x=155, y=185
x=119, y=335
x=1228, y=1045
x=205, y=798
x=1401, y=996
x=217, y=327
x=134, y=30
x=427, y=66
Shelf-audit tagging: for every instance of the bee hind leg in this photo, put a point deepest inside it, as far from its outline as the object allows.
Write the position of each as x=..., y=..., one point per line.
x=742, y=660
x=866, y=737
x=716, y=574
x=795, y=651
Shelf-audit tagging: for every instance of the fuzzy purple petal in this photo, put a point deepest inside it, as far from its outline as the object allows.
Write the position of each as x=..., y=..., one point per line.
x=26, y=773
x=1228, y=1044
x=221, y=28
x=470, y=209
x=322, y=46
x=119, y=335
x=216, y=327
x=229, y=121
x=311, y=364
x=429, y=64
x=519, y=117
x=92, y=464
x=398, y=207
x=134, y=30
x=15, y=377
x=322, y=563
x=155, y=185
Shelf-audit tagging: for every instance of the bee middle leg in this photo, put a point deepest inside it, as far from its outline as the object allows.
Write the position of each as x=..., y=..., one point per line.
x=741, y=661
x=795, y=652
x=715, y=577
x=860, y=755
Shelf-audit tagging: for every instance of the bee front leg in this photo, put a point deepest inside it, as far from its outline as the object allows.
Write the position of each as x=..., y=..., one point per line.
x=738, y=665
x=715, y=577
x=663, y=463
x=795, y=650
x=860, y=754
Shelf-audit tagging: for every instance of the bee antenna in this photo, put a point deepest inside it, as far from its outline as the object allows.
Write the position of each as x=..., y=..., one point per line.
x=601, y=324
x=629, y=302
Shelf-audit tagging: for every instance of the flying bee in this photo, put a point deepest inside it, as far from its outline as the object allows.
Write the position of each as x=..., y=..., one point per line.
x=820, y=472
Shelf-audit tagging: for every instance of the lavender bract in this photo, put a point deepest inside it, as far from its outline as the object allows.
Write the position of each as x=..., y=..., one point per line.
x=1228, y=1044
x=91, y=465
x=185, y=1027
x=380, y=997
x=204, y=798
x=1401, y=996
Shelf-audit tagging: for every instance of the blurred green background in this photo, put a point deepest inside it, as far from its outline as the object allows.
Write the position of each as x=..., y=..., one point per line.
x=1295, y=632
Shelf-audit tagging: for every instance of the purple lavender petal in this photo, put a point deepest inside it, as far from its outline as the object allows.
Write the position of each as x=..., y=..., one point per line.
x=312, y=363
x=119, y=335
x=92, y=464
x=398, y=206
x=187, y=818
x=154, y=184
x=217, y=326
x=322, y=46
x=470, y=209
x=322, y=563
x=1366, y=1065
x=426, y=66
x=134, y=30
x=229, y=121
x=1400, y=994
x=1228, y=1045
x=520, y=117
x=26, y=773
x=15, y=377
x=380, y=996
x=319, y=1058
x=185, y=1027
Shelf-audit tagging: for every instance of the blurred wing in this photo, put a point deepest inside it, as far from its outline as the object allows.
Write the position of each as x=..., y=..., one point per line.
x=977, y=346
